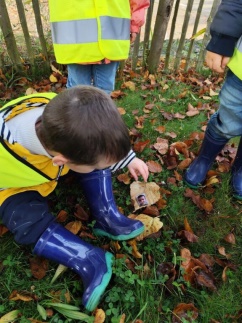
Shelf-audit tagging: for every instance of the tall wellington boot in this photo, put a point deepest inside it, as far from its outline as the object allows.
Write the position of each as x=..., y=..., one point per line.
x=92, y=264
x=236, y=178
x=197, y=171
x=97, y=188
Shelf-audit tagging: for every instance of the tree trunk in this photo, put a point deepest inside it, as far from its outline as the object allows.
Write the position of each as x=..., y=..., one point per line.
x=37, y=14
x=24, y=25
x=173, y=26
x=147, y=32
x=162, y=19
x=135, y=52
x=199, y=11
x=183, y=34
x=9, y=37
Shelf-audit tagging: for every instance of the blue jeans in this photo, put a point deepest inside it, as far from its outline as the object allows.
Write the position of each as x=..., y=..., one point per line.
x=226, y=123
x=99, y=75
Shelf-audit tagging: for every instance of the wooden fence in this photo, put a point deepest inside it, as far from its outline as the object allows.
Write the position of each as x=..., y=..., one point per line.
x=25, y=35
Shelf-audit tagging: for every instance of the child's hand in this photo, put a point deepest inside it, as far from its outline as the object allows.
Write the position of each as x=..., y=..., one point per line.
x=138, y=167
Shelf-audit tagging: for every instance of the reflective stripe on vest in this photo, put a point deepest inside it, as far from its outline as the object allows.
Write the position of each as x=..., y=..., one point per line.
x=235, y=64
x=89, y=31
x=75, y=31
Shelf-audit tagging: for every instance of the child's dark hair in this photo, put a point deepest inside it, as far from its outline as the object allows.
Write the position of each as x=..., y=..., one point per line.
x=84, y=125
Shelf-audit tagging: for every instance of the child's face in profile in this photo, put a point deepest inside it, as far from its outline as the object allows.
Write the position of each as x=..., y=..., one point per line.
x=102, y=164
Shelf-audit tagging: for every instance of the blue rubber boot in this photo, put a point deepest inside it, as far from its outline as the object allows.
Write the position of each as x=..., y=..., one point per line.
x=236, y=179
x=97, y=188
x=92, y=264
x=197, y=171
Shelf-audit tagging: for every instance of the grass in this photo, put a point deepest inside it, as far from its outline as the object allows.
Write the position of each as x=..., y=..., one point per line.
x=137, y=288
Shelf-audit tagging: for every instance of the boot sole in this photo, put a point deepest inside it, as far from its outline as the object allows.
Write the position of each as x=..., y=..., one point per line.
x=99, y=290
x=121, y=237
x=195, y=187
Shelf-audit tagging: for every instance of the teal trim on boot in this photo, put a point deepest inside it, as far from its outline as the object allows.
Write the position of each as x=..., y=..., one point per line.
x=92, y=264
x=133, y=234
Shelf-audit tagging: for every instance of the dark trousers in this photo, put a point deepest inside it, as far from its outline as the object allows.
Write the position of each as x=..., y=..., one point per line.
x=26, y=215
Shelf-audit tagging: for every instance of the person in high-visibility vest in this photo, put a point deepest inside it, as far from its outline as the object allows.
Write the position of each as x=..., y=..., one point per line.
x=45, y=135
x=223, y=50
x=91, y=37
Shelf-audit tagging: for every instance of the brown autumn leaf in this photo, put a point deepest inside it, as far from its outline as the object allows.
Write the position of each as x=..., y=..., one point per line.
x=38, y=267
x=80, y=213
x=208, y=260
x=3, y=230
x=222, y=252
x=191, y=111
x=183, y=312
x=187, y=225
x=140, y=145
x=139, y=122
x=230, y=238
x=62, y=216
x=124, y=178
x=202, y=203
x=153, y=166
x=151, y=210
x=180, y=147
x=74, y=226
x=186, y=235
x=161, y=146
x=117, y=94
x=224, y=276
x=178, y=176
x=171, y=134
x=122, y=111
x=160, y=129
x=135, y=251
x=152, y=225
x=129, y=85
x=184, y=164
x=178, y=115
x=205, y=279
x=21, y=296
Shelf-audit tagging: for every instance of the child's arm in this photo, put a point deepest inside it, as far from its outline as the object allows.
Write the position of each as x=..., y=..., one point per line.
x=137, y=8
x=135, y=165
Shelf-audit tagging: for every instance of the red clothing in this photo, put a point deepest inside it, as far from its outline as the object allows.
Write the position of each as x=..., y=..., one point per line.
x=137, y=8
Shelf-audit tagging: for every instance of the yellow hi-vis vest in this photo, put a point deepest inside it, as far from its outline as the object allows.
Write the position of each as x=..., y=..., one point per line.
x=19, y=169
x=235, y=63
x=86, y=31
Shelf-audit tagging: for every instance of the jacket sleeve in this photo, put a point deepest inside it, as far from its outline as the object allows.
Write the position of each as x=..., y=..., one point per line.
x=138, y=14
x=226, y=27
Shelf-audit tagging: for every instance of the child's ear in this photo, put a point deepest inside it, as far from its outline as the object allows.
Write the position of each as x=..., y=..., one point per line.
x=59, y=160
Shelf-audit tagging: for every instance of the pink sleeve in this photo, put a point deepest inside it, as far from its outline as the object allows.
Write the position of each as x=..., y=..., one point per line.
x=138, y=14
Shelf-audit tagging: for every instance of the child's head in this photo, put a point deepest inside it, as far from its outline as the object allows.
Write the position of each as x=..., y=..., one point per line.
x=84, y=125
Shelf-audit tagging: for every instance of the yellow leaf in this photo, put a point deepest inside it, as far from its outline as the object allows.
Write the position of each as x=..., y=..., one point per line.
x=152, y=225
x=135, y=251
x=99, y=316
x=9, y=317
x=53, y=79
x=54, y=69
x=199, y=33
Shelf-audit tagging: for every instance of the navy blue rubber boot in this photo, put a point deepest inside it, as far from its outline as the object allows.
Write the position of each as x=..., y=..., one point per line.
x=92, y=264
x=197, y=171
x=236, y=178
x=97, y=188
